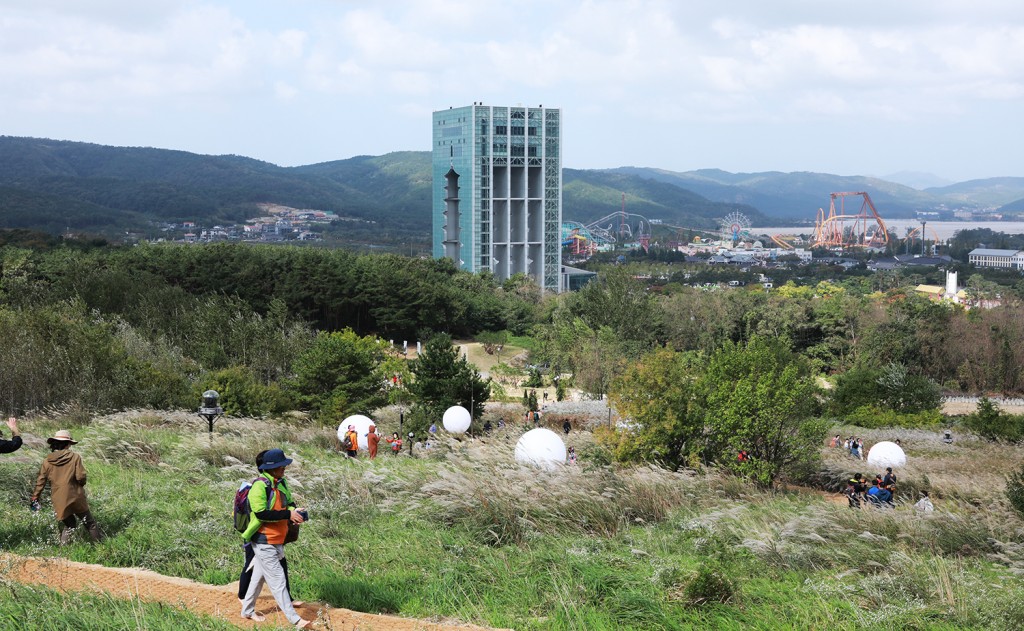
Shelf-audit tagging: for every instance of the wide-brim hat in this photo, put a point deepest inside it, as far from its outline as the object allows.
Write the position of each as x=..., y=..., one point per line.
x=273, y=459
x=63, y=435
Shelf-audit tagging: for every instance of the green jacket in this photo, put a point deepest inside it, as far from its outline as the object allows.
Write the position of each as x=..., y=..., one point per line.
x=261, y=500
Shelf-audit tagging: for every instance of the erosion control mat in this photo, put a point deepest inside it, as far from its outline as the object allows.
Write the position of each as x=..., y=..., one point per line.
x=222, y=602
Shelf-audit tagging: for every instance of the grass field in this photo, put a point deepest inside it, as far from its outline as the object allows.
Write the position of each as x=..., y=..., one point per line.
x=463, y=533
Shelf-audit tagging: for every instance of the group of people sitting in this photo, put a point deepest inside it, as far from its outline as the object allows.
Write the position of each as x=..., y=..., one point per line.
x=879, y=492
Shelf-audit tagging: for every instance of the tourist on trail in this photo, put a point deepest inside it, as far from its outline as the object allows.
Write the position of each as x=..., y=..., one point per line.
x=566, y=426
x=889, y=481
x=246, y=576
x=743, y=456
x=432, y=429
x=855, y=490
x=487, y=426
x=64, y=471
x=353, y=438
x=272, y=510
x=834, y=442
x=572, y=455
x=14, y=444
x=860, y=448
x=854, y=449
x=372, y=439
x=396, y=444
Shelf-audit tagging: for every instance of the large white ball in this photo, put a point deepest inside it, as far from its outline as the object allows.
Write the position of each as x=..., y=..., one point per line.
x=541, y=447
x=887, y=454
x=362, y=424
x=456, y=419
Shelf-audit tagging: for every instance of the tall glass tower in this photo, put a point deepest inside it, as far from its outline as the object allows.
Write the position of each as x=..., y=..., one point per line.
x=497, y=190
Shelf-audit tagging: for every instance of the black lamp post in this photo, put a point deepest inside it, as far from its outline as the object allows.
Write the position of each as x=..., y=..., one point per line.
x=210, y=409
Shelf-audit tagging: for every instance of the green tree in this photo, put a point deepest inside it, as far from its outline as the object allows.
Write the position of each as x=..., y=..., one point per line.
x=443, y=378
x=656, y=396
x=340, y=373
x=761, y=397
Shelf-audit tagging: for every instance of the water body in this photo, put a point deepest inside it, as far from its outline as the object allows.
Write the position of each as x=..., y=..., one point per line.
x=943, y=229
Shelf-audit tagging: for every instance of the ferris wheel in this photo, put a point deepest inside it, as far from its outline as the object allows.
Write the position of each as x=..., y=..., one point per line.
x=735, y=228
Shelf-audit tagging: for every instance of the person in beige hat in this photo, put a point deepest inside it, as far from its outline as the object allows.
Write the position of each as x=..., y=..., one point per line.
x=64, y=471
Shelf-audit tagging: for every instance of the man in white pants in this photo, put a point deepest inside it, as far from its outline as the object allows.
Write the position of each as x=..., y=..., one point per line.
x=272, y=508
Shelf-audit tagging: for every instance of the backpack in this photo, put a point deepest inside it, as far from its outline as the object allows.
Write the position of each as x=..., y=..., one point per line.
x=242, y=511
x=347, y=443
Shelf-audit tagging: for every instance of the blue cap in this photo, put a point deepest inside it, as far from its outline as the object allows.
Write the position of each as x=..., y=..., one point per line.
x=273, y=459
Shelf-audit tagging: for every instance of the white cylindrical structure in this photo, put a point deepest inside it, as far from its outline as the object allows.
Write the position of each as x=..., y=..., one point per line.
x=541, y=447
x=457, y=419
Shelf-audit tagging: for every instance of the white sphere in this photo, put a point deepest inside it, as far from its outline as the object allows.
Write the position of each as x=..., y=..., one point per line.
x=541, y=447
x=887, y=454
x=456, y=419
x=362, y=424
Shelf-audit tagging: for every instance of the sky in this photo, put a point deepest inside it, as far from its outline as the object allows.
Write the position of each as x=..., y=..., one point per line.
x=864, y=87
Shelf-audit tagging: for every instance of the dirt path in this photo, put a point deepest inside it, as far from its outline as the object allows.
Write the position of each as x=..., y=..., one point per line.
x=222, y=602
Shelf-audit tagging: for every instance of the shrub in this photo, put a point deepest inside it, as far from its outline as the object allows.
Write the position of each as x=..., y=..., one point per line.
x=988, y=421
x=241, y=394
x=712, y=584
x=1015, y=490
x=873, y=417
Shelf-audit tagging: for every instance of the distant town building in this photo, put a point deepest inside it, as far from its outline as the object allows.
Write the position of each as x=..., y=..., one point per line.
x=497, y=191
x=989, y=257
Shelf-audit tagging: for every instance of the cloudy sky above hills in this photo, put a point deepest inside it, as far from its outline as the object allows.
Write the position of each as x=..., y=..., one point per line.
x=853, y=88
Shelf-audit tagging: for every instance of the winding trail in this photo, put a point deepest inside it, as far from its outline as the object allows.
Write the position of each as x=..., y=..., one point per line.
x=218, y=601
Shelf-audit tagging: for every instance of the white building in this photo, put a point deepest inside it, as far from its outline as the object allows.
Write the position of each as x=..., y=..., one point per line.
x=989, y=257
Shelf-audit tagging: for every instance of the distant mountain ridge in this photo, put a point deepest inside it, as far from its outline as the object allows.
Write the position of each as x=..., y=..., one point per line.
x=56, y=185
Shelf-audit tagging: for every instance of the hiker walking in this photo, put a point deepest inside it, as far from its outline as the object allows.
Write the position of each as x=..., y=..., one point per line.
x=245, y=577
x=65, y=473
x=14, y=444
x=352, y=447
x=272, y=509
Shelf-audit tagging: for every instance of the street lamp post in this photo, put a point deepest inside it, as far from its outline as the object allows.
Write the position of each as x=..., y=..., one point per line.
x=210, y=408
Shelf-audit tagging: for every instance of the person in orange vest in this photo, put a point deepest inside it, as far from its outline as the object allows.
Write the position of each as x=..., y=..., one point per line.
x=272, y=509
x=372, y=439
x=353, y=437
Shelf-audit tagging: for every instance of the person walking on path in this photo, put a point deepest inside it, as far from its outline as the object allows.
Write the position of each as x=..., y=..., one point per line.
x=353, y=442
x=14, y=444
x=372, y=440
x=64, y=471
x=246, y=576
x=272, y=510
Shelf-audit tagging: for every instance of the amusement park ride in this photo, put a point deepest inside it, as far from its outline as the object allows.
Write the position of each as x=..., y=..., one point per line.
x=853, y=229
x=617, y=228
x=840, y=228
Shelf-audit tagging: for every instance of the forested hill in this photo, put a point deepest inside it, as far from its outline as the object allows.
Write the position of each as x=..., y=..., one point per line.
x=55, y=185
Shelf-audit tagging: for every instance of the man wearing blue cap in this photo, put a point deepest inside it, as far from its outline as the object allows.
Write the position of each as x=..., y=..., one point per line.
x=272, y=509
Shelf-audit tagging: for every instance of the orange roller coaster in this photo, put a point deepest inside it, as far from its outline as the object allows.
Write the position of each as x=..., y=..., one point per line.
x=861, y=229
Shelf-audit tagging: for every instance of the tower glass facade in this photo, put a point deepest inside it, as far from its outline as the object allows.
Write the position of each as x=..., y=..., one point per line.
x=497, y=190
